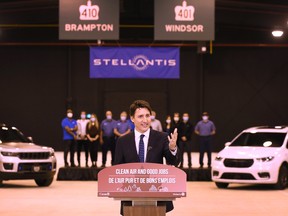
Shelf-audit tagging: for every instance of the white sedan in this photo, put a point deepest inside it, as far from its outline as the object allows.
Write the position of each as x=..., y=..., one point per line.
x=258, y=155
x=21, y=159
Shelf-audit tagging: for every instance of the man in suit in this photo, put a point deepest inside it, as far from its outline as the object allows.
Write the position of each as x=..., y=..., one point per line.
x=156, y=144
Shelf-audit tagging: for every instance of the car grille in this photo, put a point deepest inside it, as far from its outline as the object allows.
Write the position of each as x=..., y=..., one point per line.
x=30, y=167
x=34, y=155
x=238, y=176
x=241, y=163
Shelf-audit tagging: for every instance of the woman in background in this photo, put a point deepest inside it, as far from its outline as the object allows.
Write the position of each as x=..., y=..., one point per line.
x=93, y=134
x=167, y=125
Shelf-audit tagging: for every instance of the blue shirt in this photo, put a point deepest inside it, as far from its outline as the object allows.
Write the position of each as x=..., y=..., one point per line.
x=122, y=126
x=205, y=128
x=107, y=126
x=71, y=123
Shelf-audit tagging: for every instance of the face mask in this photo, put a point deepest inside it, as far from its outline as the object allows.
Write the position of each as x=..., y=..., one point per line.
x=152, y=117
x=123, y=118
x=83, y=116
x=168, y=121
x=176, y=119
x=93, y=119
x=69, y=115
x=205, y=118
x=185, y=118
x=109, y=117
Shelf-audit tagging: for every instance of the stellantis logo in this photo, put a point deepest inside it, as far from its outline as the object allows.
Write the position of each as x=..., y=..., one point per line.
x=138, y=62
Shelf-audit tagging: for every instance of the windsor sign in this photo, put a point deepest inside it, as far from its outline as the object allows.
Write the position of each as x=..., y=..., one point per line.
x=184, y=20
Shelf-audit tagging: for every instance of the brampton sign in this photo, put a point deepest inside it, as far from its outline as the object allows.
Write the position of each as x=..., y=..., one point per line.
x=184, y=20
x=134, y=62
x=89, y=19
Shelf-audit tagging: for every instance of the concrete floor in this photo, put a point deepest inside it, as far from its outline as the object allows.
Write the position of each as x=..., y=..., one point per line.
x=76, y=198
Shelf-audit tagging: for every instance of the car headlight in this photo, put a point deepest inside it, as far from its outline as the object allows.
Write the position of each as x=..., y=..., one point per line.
x=265, y=159
x=218, y=158
x=52, y=153
x=10, y=154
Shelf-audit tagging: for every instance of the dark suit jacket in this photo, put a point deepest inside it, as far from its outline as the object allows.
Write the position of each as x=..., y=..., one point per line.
x=158, y=147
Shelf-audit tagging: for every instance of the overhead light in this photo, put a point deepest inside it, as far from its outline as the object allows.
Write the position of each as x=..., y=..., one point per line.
x=277, y=33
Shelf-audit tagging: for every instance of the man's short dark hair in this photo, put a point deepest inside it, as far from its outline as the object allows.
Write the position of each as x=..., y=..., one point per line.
x=139, y=104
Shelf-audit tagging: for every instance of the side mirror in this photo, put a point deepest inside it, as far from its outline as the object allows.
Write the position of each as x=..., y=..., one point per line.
x=227, y=144
x=30, y=138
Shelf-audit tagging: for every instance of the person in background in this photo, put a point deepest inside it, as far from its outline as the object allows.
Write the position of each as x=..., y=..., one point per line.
x=69, y=126
x=82, y=138
x=155, y=123
x=93, y=135
x=107, y=137
x=205, y=129
x=185, y=133
x=122, y=126
x=132, y=126
x=168, y=125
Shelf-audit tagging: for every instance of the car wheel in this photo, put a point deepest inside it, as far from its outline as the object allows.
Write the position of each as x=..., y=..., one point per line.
x=44, y=182
x=221, y=185
x=282, y=178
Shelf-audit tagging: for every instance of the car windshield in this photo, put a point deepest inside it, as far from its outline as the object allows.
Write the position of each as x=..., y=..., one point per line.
x=260, y=139
x=11, y=134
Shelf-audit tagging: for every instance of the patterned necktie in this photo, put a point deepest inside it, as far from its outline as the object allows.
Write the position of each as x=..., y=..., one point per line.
x=141, y=148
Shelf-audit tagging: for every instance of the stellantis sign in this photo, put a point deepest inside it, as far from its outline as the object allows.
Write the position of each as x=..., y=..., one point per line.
x=184, y=20
x=134, y=62
x=89, y=19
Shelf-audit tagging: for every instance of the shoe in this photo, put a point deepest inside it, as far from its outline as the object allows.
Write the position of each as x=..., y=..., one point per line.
x=190, y=166
x=66, y=165
x=201, y=166
x=73, y=165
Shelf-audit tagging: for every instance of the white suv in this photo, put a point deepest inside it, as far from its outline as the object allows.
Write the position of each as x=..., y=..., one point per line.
x=258, y=155
x=21, y=159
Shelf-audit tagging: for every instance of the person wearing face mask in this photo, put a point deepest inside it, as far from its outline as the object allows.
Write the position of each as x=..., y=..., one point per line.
x=93, y=135
x=168, y=124
x=69, y=126
x=122, y=126
x=107, y=137
x=155, y=123
x=185, y=133
x=82, y=138
x=205, y=129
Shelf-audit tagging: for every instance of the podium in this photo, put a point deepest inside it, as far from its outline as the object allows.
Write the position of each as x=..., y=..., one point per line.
x=146, y=186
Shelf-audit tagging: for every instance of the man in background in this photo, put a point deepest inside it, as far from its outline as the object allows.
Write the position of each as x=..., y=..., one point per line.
x=205, y=129
x=82, y=138
x=69, y=126
x=107, y=137
x=155, y=123
x=185, y=133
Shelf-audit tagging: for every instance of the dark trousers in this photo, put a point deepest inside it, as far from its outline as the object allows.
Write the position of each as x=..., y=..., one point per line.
x=185, y=147
x=205, y=146
x=108, y=144
x=93, y=147
x=84, y=144
x=69, y=146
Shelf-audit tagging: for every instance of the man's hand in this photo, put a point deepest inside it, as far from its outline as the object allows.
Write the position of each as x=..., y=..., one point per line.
x=173, y=140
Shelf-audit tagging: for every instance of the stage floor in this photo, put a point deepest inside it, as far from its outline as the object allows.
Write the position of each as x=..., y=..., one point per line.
x=74, y=198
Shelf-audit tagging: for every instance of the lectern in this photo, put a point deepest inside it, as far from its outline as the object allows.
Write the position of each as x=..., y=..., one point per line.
x=144, y=184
